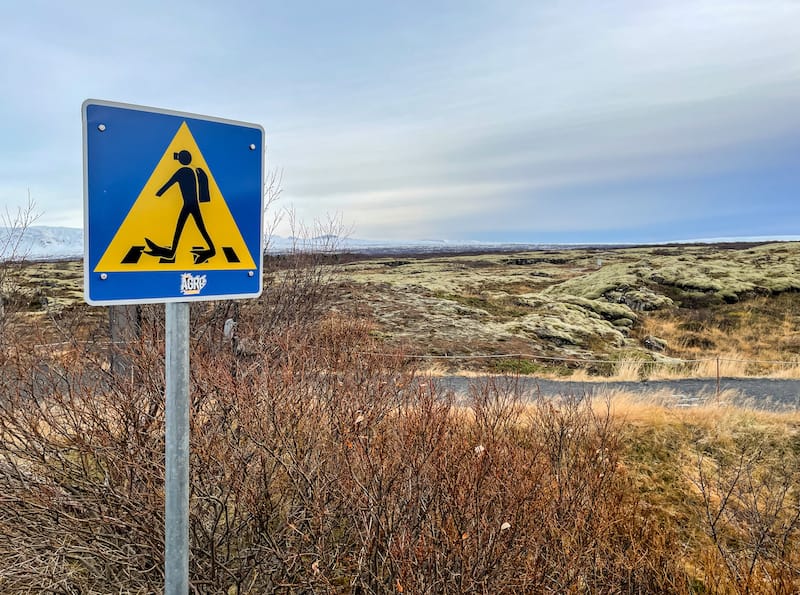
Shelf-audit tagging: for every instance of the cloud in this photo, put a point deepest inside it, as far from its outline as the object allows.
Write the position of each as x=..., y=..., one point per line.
x=635, y=98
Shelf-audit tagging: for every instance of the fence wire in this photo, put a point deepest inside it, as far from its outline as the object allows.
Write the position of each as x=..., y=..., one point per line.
x=489, y=356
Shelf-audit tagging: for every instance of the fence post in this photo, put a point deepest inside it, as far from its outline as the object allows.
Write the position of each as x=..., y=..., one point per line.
x=717, y=379
x=126, y=328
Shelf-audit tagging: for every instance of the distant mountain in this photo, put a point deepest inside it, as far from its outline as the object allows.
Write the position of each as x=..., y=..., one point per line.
x=41, y=242
x=51, y=243
x=332, y=243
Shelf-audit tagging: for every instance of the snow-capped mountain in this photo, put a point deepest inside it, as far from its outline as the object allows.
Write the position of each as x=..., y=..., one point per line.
x=41, y=242
x=53, y=243
x=332, y=243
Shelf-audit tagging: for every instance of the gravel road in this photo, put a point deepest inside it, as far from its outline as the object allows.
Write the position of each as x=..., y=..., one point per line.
x=760, y=393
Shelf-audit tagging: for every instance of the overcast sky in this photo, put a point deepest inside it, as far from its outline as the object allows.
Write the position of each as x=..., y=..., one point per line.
x=494, y=121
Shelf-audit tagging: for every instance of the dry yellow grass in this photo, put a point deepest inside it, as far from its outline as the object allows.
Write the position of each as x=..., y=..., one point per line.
x=658, y=408
x=737, y=465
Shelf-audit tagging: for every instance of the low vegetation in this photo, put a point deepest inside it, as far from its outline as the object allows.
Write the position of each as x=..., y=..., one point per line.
x=731, y=307
x=729, y=304
x=317, y=467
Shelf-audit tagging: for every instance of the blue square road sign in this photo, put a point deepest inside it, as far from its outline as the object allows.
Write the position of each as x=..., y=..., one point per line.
x=173, y=206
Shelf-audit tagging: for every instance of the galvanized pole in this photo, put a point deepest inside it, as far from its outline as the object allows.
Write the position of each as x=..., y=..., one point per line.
x=176, y=519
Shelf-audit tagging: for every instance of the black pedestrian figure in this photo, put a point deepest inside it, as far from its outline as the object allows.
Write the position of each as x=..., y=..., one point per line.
x=193, y=185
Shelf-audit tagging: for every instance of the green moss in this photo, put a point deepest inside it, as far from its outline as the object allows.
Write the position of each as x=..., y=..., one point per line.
x=503, y=307
x=596, y=284
x=517, y=366
x=565, y=325
x=608, y=310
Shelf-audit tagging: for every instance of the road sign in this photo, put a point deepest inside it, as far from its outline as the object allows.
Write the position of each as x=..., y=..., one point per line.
x=172, y=205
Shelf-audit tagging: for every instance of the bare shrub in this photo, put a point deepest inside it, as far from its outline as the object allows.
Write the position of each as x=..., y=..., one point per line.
x=318, y=464
x=329, y=470
x=752, y=514
x=81, y=475
x=13, y=225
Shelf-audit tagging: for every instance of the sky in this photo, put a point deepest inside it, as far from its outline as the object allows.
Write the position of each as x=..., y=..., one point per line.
x=618, y=121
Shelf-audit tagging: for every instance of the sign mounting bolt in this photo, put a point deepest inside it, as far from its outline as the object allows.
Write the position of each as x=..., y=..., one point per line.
x=252, y=146
x=101, y=127
x=250, y=273
x=103, y=276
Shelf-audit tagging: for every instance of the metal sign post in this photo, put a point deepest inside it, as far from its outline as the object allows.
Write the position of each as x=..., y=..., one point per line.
x=176, y=519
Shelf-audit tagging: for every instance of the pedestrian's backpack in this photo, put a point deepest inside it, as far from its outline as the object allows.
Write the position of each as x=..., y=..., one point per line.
x=202, y=186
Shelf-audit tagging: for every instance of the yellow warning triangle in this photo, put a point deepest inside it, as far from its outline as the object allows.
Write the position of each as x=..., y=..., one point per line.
x=144, y=240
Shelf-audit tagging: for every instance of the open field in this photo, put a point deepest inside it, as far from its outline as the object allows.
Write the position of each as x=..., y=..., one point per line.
x=641, y=311
x=627, y=313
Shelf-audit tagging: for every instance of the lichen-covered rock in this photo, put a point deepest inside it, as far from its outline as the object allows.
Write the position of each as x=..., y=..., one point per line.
x=597, y=283
x=623, y=323
x=654, y=343
x=642, y=299
x=610, y=311
x=568, y=326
